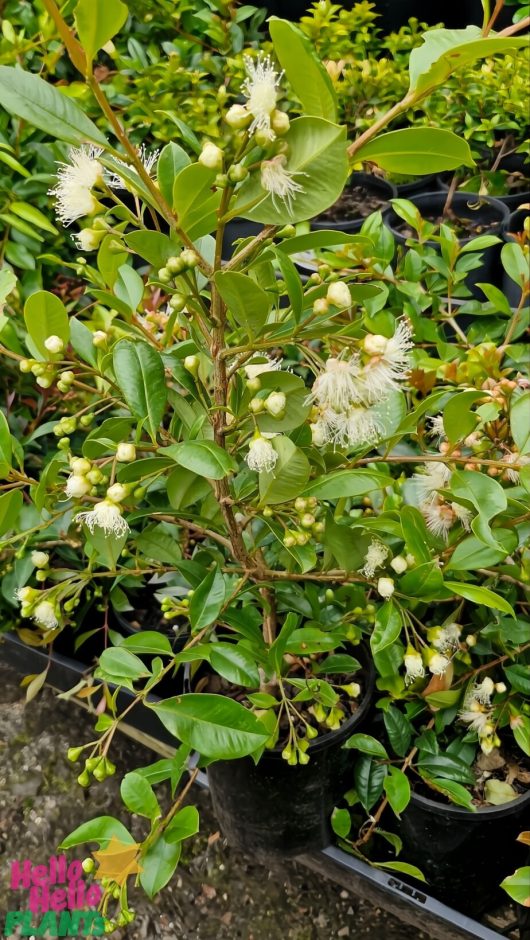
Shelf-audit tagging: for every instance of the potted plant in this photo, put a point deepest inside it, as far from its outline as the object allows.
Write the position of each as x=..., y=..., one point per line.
x=207, y=459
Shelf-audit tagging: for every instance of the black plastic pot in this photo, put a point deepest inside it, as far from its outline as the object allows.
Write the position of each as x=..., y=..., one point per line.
x=463, y=855
x=238, y=228
x=420, y=184
x=374, y=186
x=514, y=226
x=491, y=213
x=274, y=809
x=511, y=200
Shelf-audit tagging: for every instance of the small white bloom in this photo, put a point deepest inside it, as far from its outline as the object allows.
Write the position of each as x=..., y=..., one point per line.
x=386, y=370
x=54, y=344
x=99, y=338
x=40, y=559
x=25, y=594
x=117, y=492
x=375, y=558
x=45, y=615
x=339, y=294
x=88, y=239
x=255, y=369
x=261, y=455
x=125, y=452
x=436, y=427
x=434, y=476
x=438, y=664
x=211, y=156
x=447, y=638
x=477, y=718
x=483, y=691
x=77, y=486
x=514, y=458
x=338, y=387
x=75, y=180
x=399, y=564
x=105, y=515
x=279, y=182
x=355, y=427
x=414, y=668
x=275, y=404
x=385, y=587
x=463, y=515
x=261, y=90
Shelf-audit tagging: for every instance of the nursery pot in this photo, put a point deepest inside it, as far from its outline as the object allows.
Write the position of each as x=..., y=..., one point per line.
x=512, y=200
x=274, y=809
x=491, y=214
x=374, y=187
x=464, y=855
x=417, y=185
x=514, y=226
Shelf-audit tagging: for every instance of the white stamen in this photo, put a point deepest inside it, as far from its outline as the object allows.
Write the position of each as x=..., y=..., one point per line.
x=261, y=90
x=105, y=515
x=279, y=182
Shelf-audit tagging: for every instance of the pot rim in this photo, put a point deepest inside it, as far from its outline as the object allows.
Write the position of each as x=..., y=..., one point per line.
x=441, y=196
x=459, y=812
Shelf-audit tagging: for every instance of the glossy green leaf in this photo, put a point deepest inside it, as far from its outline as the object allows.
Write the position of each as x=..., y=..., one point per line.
x=515, y=263
x=245, y=299
x=341, y=822
x=289, y=476
x=447, y=766
x=148, y=641
x=97, y=21
x=45, y=315
x=415, y=533
x=520, y=422
x=158, y=864
x=388, y=626
x=417, y=151
x=452, y=790
x=101, y=830
x=171, y=161
x=6, y=447
x=517, y=886
x=129, y=287
x=519, y=678
x=399, y=730
x=305, y=72
x=42, y=105
x=444, y=50
x=235, y=664
x=184, y=824
x=480, y=595
x=367, y=745
x=10, y=506
x=117, y=661
x=397, y=789
x=216, y=726
x=346, y=483
x=520, y=725
x=207, y=600
x=404, y=868
x=202, y=457
x=471, y=553
x=140, y=374
x=138, y=796
x=369, y=778
x=194, y=202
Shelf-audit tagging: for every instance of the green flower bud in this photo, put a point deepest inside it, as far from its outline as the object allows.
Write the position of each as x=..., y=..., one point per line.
x=237, y=173
x=74, y=753
x=177, y=302
x=174, y=265
x=256, y=405
x=83, y=779
x=189, y=258
x=88, y=865
x=164, y=275
x=25, y=365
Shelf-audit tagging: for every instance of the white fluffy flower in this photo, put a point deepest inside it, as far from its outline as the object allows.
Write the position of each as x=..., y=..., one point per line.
x=339, y=294
x=414, y=668
x=436, y=427
x=45, y=615
x=446, y=639
x=385, y=587
x=77, y=486
x=438, y=664
x=75, y=180
x=477, y=718
x=261, y=455
x=463, y=515
x=483, y=691
x=387, y=369
x=434, y=476
x=149, y=161
x=439, y=518
x=339, y=386
x=105, y=515
x=375, y=558
x=353, y=428
x=40, y=559
x=261, y=90
x=257, y=368
x=280, y=182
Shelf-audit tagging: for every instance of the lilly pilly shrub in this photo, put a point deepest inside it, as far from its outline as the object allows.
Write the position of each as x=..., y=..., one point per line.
x=253, y=449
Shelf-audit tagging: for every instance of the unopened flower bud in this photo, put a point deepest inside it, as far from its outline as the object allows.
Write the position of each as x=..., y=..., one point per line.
x=99, y=339
x=54, y=344
x=117, y=492
x=80, y=465
x=500, y=687
x=471, y=640
x=339, y=294
x=375, y=344
x=237, y=173
x=280, y=122
x=275, y=404
x=385, y=587
x=175, y=264
x=25, y=365
x=191, y=364
x=238, y=117
x=40, y=559
x=320, y=306
x=88, y=865
x=256, y=405
x=189, y=258
x=399, y=564
x=88, y=239
x=211, y=156
x=43, y=381
x=125, y=452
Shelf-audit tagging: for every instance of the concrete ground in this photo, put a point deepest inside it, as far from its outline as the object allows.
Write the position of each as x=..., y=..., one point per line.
x=215, y=895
